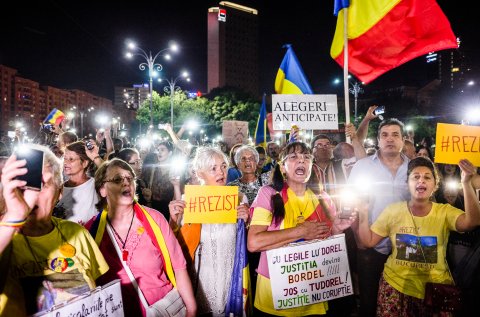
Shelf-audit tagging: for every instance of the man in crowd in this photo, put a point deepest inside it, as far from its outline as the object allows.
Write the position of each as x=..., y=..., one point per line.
x=383, y=178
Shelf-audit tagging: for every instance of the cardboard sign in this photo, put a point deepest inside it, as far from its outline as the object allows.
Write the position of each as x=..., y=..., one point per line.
x=234, y=132
x=311, y=272
x=308, y=112
x=102, y=301
x=455, y=142
x=210, y=204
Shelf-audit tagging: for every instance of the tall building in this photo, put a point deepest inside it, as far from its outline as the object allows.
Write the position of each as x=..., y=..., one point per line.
x=233, y=47
x=25, y=101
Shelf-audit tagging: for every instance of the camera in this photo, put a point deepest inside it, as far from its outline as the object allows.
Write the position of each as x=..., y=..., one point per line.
x=162, y=126
x=34, y=167
x=380, y=110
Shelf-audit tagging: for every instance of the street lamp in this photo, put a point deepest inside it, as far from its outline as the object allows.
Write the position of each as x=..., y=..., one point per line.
x=153, y=67
x=354, y=90
x=172, y=87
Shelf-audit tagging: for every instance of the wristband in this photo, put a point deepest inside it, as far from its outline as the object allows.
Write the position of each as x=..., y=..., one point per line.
x=98, y=156
x=13, y=223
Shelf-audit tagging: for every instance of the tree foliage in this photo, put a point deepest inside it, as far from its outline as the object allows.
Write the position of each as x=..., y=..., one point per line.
x=222, y=104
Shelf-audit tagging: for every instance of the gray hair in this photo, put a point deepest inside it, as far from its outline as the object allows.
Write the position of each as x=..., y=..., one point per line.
x=246, y=148
x=49, y=159
x=205, y=156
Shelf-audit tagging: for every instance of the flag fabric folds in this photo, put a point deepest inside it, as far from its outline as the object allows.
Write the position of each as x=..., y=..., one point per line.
x=290, y=77
x=384, y=34
x=339, y=5
x=261, y=129
x=239, y=297
x=55, y=117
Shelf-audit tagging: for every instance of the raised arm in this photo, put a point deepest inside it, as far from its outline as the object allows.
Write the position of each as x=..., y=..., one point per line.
x=471, y=218
x=367, y=237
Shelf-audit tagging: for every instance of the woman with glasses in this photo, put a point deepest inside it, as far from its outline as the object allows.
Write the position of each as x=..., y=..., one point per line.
x=294, y=207
x=210, y=247
x=48, y=255
x=140, y=247
x=132, y=157
x=79, y=197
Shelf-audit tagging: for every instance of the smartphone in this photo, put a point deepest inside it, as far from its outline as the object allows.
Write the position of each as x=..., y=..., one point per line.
x=162, y=126
x=380, y=110
x=346, y=212
x=34, y=167
x=89, y=145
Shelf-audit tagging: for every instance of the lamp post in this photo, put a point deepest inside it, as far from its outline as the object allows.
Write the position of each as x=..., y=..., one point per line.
x=354, y=90
x=172, y=87
x=151, y=64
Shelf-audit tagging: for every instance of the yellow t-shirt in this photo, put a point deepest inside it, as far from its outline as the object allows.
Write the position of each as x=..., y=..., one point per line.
x=43, y=276
x=416, y=258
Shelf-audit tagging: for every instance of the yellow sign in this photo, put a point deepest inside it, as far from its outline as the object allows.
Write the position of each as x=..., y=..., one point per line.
x=455, y=142
x=210, y=204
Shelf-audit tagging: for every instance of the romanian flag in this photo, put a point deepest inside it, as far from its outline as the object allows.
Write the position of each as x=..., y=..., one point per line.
x=384, y=34
x=239, y=297
x=261, y=129
x=290, y=78
x=55, y=117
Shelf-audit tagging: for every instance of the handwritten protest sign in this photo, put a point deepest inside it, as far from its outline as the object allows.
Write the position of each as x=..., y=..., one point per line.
x=308, y=112
x=234, y=132
x=311, y=272
x=455, y=142
x=210, y=204
x=102, y=301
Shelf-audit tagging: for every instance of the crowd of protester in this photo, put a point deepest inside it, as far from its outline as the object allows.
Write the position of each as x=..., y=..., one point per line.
x=112, y=208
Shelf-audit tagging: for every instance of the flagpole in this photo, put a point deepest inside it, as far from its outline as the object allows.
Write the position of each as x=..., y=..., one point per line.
x=345, y=70
x=345, y=65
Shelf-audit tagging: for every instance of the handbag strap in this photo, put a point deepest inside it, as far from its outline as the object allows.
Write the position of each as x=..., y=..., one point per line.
x=420, y=244
x=127, y=269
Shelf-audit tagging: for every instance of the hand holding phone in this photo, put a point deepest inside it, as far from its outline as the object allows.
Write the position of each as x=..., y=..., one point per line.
x=379, y=111
x=34, y=167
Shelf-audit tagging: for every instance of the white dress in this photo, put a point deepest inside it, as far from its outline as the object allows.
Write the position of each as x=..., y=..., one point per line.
x=214, y=266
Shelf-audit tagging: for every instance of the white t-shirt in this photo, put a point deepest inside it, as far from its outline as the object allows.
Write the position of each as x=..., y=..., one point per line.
x=79, y=202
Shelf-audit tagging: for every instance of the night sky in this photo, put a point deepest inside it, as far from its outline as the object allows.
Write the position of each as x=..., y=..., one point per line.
x=80, y=44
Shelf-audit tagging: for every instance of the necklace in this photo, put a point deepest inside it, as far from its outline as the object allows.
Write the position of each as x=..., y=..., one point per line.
x=301, y=218
x=58, y=264
x=124, y=252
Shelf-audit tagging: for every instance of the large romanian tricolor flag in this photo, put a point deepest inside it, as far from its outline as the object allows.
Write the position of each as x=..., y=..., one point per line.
x=384, y=34
x=55, y=117
x=290, y=78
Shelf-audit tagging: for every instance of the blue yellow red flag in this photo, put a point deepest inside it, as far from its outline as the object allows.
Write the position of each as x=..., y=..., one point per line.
x=290, y=77
x=239, y=298
x=261, y=129
x=384, y=34
x=55, y=117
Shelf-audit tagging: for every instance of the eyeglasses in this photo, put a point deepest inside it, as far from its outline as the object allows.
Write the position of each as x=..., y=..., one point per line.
x=320, y=145
x=244, y=159
x=136, y=163
x=120, y=179
x=70, y=160
x=299, y=156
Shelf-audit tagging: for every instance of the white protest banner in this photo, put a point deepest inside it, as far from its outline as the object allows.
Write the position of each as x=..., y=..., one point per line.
x=309, y=272
x=308, y=112
x=100, y=302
